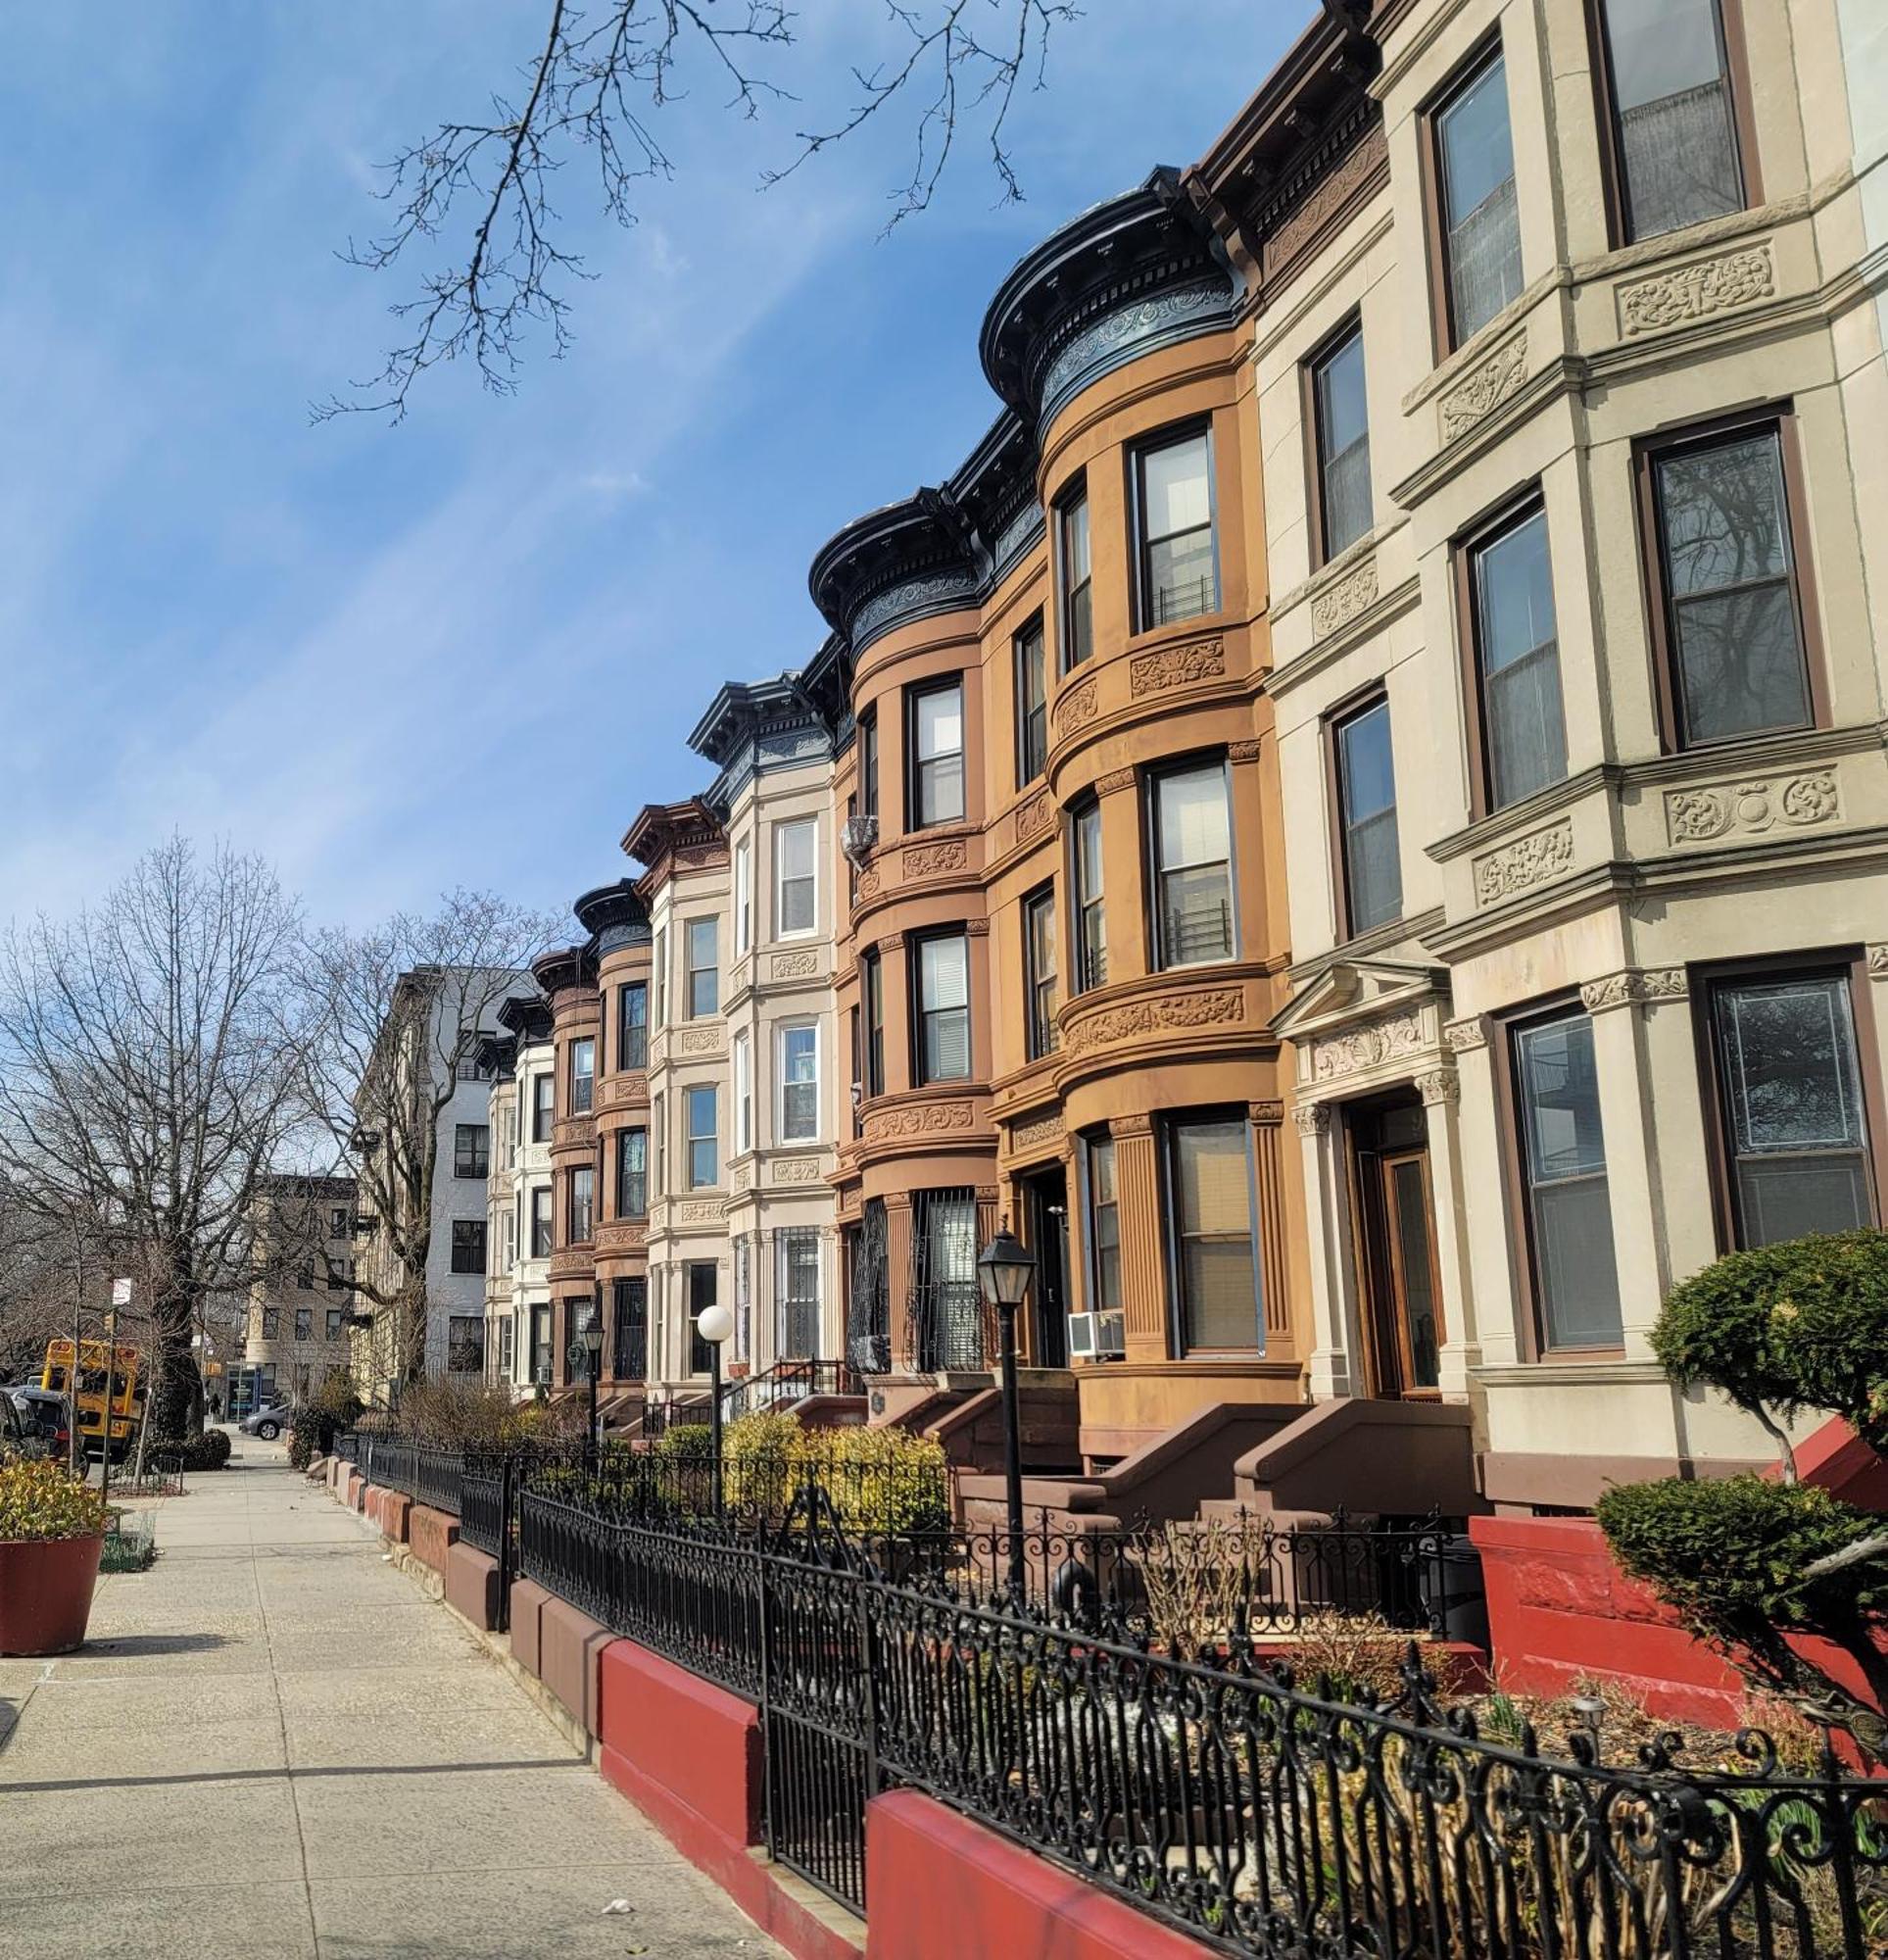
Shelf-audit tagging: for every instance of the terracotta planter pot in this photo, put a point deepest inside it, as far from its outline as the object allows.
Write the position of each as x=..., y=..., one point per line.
x=47, y=1592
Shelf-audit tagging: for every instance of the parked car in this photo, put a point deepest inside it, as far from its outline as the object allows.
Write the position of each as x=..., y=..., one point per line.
x=268, y=1421
x=37, y=1422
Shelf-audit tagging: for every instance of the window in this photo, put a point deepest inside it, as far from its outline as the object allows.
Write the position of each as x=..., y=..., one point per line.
x=660, y=1126
x=936, y=745
x=473, y=1062
x=272, y=1326
x=1077, y=578
x=1105, y=1228
x=340, y=1222
x=1371, y=891
x=796, y=877
x=465, y=1344
x=1031, y=705
x=703, y=967
x=742, y=898
x=948, y=1325
x=629, y=1330
x=943, y=1009
x=796, y=1287
x=632, y=1026
x=1174, y=507
x=507, y=1238
x=658, y=971
x=583, y=1076
x=305, y=1280
x=544, y=1107
x=471, y=1149
x=508, y=1346
x=703, y=1278
x=704, y=1153
x=1038, y=973
x=1518, y=660
x=1216, y=1275
x=1473, y=160
x=541, y=1222
x=869, y=762
x=304, y=1323
x=799, y=1084
x=581, y=1214
x=1792, y=1119
x=1193, y=841
x=468, y=1244
x=1669, y=101
x=1340, y=420
x=632, y=1174
x=743, y=1093
x=1731, y=613
x=340, y=1277
x=336, y=1323
x=1569, y=1216
x=872, y=999
x=1090, y=916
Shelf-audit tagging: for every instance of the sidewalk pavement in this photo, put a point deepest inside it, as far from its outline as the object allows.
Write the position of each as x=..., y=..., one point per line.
x=272, y=1745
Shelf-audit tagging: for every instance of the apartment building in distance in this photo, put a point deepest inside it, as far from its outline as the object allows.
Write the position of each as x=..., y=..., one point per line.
x=786, y=1081
x=519, y=1116
x=296, y=1329
x=1570, y=379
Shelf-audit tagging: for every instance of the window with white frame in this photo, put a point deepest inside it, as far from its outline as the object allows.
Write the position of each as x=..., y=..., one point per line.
x=796, y=877
x=704, y=1141
x=743, y=1093
x=742, y=898
x=800, y=1083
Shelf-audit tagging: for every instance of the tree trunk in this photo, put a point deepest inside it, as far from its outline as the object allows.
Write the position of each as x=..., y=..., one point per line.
x=177, y=1385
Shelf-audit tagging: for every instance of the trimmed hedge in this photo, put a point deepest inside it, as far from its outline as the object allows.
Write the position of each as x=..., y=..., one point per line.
x=207, y=1452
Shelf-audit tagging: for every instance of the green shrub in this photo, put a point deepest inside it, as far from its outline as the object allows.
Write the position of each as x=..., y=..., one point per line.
x=40, y=1501
x=209, y=1451
x=316, y=1422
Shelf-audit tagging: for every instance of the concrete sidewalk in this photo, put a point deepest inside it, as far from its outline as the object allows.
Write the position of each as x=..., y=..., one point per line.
x=272, y=1746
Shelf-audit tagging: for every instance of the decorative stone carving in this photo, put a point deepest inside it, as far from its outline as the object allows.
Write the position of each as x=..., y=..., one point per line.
x=796, y=1170
x=700, y=1040
x=926, y=1119
x=1339, y=604
x=1077, y=706
x=1753, y=807
x=1036, y=815
x=927, y=860
x=1176, y=667
x=698, y=857
x=631, y=1088
x=1173, y=1013
x=916, y=596
x=1634, y=988
x=1026, y=525
x=1534, y=859
x=1266, y=1114
x=1364, y=1048
x=796, y=966
x=1663, y=983
x=1117, y=335
x=868, y=883
x=1485, y=387
x=701, y=1211
x=1115, y=779
x=1440, y=1085
x=1466, y=1034
x=1878, y=963
x=1698, y=290
x=1241, y=752
x=1341, y=185
x=1039, y=1130
x=743, y=1177
x=1311, y=1119
x=1130, y=1126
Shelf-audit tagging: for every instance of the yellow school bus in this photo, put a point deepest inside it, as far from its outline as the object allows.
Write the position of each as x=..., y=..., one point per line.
x=128, y=1392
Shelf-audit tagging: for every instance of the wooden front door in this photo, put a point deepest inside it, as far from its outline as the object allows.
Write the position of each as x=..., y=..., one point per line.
x=1400, y=1289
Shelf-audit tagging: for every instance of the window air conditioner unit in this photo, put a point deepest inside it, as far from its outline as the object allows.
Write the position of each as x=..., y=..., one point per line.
x=859, y=838
x=1098, y=1336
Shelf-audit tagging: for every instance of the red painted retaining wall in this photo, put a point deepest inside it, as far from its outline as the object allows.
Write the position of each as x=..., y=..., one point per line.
x=473, y=1586
x=527, y=1607
x=948, y=1888
x=432, y=1535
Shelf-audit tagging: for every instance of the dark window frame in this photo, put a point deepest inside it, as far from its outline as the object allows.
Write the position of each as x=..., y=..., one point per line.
x=921, y=1076
x=632, y=1187
x=466, y=1233
x=1353, y=707
x=1074, y=648
x=1333, y=343
x=1091, y=1209
x=571, y=1236
x=1032, y=724
x=1040, y=1035
x=1444, y=338
x=1167, y=1124
x=868, y=765
x=471, y=1149
x=914, y=694
x=583, y=1100
x=1088, y=965
x=1648, y=452
x=544, y=1105
x=1612, y=178
x=632, y=1026
x=1172, y=436
x=872, y=1016
x=1807, y=964
x=544, y=1243
x=1150, y=785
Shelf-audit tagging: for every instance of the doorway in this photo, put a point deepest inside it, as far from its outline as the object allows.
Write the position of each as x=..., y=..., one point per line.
x=1399, y=1290
x=1045, y=1231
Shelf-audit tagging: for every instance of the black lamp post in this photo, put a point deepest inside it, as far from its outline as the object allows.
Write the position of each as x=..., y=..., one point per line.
x=714, y=1325
x=1004, y=1269
x=593, y=1341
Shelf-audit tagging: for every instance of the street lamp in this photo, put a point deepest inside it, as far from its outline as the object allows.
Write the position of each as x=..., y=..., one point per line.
x=593, y=1341
x=714, y=1325
x=1004, y=1269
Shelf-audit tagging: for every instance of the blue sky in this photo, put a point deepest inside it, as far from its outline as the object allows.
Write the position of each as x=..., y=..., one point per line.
x=467, y=649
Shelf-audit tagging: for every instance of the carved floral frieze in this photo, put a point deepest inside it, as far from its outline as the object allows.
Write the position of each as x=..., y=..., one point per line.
x=700, y=1210
x=1534, y=859
x=1753, y=807
x=1173, y=1013
x=1696, y=291
x=929, y=860
x=700, y=1040
x=922, y=1119
x=1077, y=706
x=1311, y=1119
x=1439, y=1085
x=1339, y=604
x=1176, y=667
x=1466, y=1034
x=1039, y=1130
x=1634, y=987
x=796, y=966
x=1485, y=387
x=796, y=1170
x=1036, y=815
x=1367, y=1047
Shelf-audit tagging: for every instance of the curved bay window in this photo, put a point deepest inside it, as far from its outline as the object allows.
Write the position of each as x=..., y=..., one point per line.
x=1177, y=577
x=1191, y=825
x=1216, y=1284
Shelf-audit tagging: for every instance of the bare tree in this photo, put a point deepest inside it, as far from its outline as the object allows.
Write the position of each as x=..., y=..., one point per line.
x=596, y=90
x=146, y=1080
x=399, y=1011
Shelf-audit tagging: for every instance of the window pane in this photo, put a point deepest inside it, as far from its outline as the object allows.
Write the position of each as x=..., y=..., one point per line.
x=1793, y=1089
x=1197, y=915
x=944, y=971
x=1343, y=445
x=1074, y=541
x=1211, y=1196
x=1367, y=788
x=940, y=789
x=1194, y=824
x=946, y=1045
x=1180, y=577
x=940, y=723
x=1173, y=488
x=1565, y=1160
x=1194, y=840
x=1519, y=661
x=1479, y=211
x=1676, y=145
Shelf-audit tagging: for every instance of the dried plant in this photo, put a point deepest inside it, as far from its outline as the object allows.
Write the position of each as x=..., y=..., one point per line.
x=1197, y=1583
